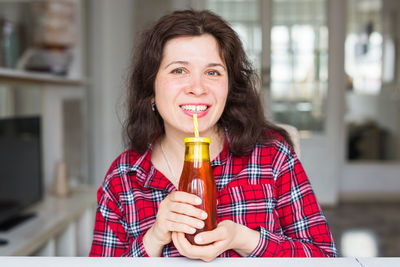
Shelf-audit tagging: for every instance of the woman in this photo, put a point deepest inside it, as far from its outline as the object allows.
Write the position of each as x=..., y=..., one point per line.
x=193, y=62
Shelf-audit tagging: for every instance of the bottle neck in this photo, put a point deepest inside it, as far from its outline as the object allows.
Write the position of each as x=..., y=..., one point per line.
x=197, y=152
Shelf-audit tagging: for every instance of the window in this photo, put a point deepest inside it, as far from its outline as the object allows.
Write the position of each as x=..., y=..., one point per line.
x=299, y=63
x=244, y=17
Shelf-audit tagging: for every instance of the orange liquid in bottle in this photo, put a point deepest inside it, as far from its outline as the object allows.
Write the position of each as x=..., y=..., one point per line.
x=197, y=179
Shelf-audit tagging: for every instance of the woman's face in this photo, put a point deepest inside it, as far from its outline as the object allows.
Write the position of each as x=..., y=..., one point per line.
x=192, y=78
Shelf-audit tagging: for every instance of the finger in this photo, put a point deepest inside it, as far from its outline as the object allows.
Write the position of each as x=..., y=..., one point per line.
x=188, y=249
x=184, y=197
x=218, y=234
x=188, y=209
x=195, y=251
x=182, y=245
x=179, y=227
x=184, y=219
x=205, y=253
x=183, y=241
x=177, y=244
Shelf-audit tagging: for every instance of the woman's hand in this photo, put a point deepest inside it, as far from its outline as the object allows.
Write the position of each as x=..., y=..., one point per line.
x=176, y=213
x=227, y=235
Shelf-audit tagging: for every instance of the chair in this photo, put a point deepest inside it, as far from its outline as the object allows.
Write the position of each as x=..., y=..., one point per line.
x=294, y=135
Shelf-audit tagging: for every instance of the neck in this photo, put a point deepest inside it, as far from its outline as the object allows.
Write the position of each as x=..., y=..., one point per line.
x=173, y=143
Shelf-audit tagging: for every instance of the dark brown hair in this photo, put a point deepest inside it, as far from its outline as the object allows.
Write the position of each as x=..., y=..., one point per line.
x=243, y=116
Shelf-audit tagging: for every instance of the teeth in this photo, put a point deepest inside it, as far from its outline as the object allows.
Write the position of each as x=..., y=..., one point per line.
x=194, y=108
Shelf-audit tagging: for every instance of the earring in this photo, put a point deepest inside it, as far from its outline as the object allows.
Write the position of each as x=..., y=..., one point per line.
x=153, y=106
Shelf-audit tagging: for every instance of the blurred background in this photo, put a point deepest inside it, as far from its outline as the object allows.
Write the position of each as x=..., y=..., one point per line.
x=328, y=67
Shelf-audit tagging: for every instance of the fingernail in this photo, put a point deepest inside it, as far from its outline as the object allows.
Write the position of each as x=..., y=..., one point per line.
x=198, y=201
x=198, y=239
x=204, y=215
x=192, y=230
x=200, y=224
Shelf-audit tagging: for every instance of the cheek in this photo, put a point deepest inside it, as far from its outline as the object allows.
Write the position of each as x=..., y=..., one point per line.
x=157, y=85
x=219, y=89
x=222, y=92
x=165, y=89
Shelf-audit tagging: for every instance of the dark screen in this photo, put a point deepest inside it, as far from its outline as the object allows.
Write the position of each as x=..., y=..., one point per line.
x=20, y=164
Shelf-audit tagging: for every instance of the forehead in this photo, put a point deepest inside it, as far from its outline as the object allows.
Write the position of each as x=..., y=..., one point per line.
x=204, y=45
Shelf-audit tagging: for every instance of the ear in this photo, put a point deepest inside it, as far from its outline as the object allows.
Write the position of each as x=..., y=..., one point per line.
x=153, y=104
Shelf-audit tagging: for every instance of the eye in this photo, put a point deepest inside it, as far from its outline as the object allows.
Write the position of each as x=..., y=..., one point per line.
x=178, y=71
x=213, y=73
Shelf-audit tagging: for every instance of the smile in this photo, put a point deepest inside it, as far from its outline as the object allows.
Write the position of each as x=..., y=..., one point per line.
x=200, y=109
x=194, y=108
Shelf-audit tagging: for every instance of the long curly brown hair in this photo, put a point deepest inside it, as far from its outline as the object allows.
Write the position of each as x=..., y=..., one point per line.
x=243, y=116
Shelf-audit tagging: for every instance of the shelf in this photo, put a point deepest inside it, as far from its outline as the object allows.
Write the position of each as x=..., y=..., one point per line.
x=18, y=76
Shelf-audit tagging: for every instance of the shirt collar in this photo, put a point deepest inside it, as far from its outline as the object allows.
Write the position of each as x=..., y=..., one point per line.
x=146, y=172
x=222, y=157
x=225, y=154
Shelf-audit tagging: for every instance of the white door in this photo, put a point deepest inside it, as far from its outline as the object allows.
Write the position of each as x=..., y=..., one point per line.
x=303, y=81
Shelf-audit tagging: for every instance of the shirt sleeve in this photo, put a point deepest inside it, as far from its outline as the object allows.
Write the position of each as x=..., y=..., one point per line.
x=304, y=229
x=110, y=238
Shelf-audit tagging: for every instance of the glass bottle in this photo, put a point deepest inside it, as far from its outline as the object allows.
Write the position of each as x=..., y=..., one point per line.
x=197, y=178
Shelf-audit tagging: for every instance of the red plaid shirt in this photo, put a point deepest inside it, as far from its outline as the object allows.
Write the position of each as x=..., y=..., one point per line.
x=267, y=190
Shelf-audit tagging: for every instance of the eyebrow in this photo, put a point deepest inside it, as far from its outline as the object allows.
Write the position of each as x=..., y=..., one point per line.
x=187, y=63
x=177, y=62
x=216, y=65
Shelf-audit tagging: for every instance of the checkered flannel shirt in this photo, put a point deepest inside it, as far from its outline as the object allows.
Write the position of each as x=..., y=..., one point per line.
x=266, y=190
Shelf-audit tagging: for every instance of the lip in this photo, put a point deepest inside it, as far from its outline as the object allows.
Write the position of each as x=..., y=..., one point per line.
x=199, y=114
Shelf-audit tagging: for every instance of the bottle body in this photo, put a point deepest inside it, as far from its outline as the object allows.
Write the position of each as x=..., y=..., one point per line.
x=197, y=179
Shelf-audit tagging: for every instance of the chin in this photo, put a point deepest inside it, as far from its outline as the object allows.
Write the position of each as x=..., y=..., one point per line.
x=188, y=132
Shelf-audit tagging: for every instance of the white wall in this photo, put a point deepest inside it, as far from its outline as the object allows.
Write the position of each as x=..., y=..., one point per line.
x=110, y=34
x=147, y=12
x=360, y=180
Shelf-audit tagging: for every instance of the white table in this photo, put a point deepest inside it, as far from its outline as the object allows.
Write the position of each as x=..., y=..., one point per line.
x=62, y=227
x=176, y=262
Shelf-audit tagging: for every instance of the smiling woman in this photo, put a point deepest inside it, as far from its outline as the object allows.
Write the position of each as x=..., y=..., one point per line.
x=193, y=63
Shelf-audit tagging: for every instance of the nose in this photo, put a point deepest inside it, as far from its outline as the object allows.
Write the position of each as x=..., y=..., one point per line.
x=196, y=86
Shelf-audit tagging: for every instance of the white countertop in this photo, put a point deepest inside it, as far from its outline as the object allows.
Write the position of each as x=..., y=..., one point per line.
x=231, y=262
x=53, y=214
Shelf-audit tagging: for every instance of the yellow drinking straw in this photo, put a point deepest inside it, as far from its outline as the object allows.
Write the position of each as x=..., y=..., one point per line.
x=196, y=126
